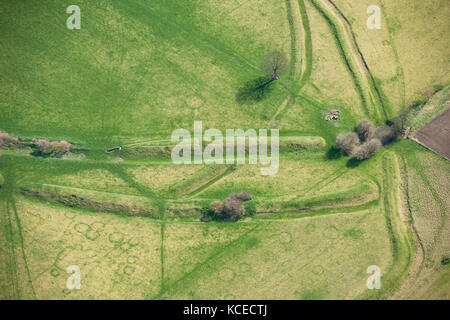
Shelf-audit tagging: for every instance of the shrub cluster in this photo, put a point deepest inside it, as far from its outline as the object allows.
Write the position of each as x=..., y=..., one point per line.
x=231, y=209
x=7, y=141
x=40, y=147
x=55, y=148
x=366, y=140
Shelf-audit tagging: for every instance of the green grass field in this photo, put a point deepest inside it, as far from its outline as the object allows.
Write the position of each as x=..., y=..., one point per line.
x=130, y=219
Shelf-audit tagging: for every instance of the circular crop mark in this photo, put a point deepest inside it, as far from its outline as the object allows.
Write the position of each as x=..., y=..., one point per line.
x=92, y=235
x=99, y=226
x=285, y=237
x=310, y=228
x=82, y=227
x=54, y=272
x=134, y=242
x=244, y=267
x=353, y=233
x=128, y=270
x=318, y=270
x=69, y=216
x=116, y=237
x=125, y=246
x=226, y=275
x=131, y=260
x=331, y=232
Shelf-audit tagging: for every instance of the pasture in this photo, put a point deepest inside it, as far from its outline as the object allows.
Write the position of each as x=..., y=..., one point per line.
x=131, y=219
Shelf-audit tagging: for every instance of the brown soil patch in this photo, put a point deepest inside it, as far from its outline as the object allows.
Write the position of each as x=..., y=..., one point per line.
x=435, y=135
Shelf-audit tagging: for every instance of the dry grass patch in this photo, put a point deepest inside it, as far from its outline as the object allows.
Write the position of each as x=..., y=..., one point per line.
x=119, y=258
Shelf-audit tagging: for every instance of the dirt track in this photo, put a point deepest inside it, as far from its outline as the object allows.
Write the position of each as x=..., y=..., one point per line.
x=435, y=135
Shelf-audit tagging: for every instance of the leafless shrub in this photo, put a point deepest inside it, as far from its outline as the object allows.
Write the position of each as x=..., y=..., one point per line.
x=44, y=146
x=365, y=130
x=386, y=134
x=367, y=149
x=217, y=207
x=347, y=142
x=242, y=196
x=6, y=140
x=61, y=146
x=229, y=210
x=232, y=210
x=402, y=120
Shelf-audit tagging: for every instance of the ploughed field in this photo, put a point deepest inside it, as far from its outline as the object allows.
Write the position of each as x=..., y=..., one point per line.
x=435, y=135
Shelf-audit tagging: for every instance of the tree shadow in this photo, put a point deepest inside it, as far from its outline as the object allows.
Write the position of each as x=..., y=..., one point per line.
x=353, y=163
x=254, y=90
x=333, y=153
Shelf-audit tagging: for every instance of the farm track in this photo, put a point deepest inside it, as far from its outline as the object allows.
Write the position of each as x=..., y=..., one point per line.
x=419, y=260
x=161, y=204
x=400, y=71
x=307, y=46
x=9, y=263
x=320, y=184
x=21, y=244
x=199, y=189
x=293, y=26
x=306, y=54
x=402, y=244
x=356, y=64
x=289, y=215
x=372, y=83
x=15, y=264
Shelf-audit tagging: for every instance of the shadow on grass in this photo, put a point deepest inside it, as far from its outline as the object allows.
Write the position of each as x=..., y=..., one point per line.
x=254, y=91
x=333, y=153
x=353, y=163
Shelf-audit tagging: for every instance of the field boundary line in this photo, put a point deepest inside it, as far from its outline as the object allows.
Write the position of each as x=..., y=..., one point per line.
x=20, y=234
x=364, y=69
x=400, y=70
x=294, y=25
x=230, y=169
x=419, y=258
x=402, y=245
x=307, y=46
x=306, y=56
x=352, y=56
x=9, y=235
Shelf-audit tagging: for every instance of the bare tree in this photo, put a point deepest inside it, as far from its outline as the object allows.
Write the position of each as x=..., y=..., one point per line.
x=229, y=210
x=347, y=142
x=43, y=145
x=241, y=196
x=386, y=134
x=7, y=140
x=365, y=130
x=274, y=64
x=61, y=146
x=367, y=149
x=402, y=121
